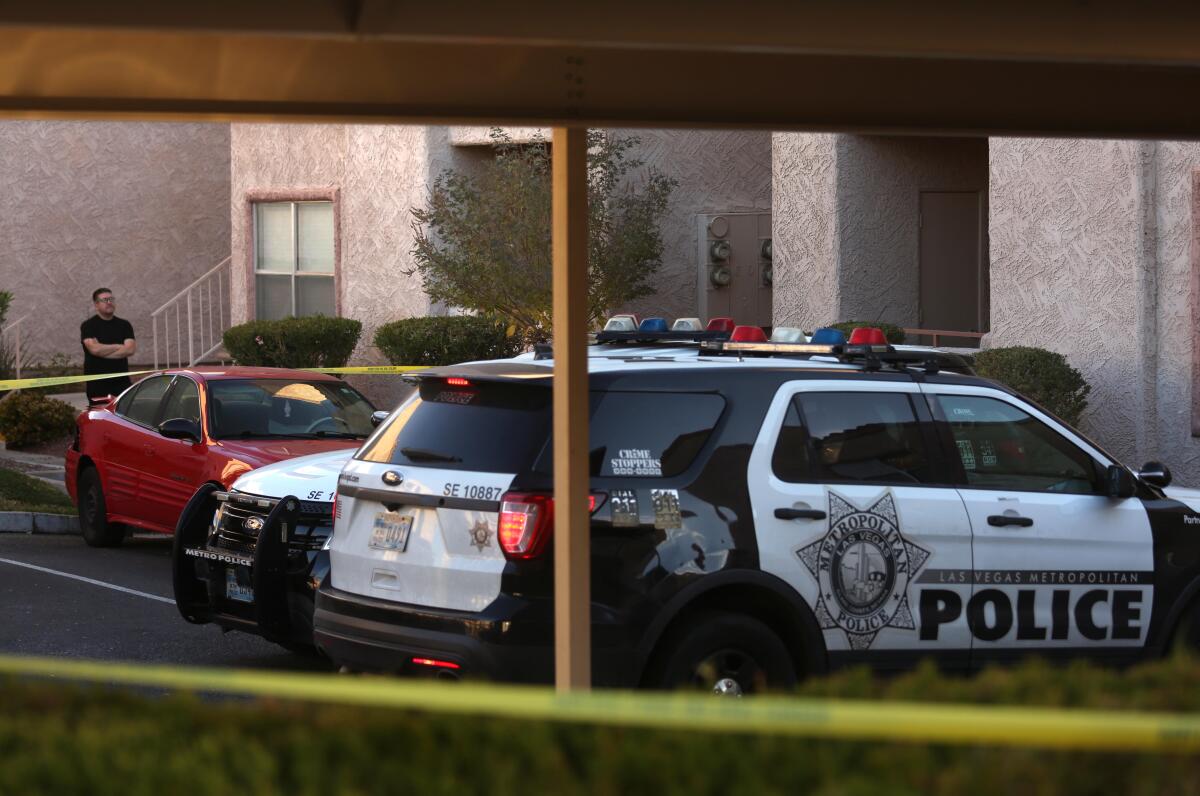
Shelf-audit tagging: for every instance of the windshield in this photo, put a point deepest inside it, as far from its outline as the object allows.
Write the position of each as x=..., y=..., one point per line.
x=250, y=408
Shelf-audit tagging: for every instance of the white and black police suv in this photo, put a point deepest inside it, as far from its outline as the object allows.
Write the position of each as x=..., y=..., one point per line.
x=759, y=512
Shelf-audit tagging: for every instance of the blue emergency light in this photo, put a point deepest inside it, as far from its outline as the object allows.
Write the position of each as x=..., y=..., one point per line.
x=828, y=336
x=653, y=325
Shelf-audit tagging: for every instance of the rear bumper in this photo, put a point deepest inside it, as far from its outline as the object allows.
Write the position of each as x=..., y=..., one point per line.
x=511, y=641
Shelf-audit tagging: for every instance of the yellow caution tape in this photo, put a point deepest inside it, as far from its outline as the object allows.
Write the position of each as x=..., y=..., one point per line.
x=54, y=381
x=818, y=718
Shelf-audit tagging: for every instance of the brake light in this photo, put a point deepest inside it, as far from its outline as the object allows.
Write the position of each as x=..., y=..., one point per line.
x=527, y=520
x=457, y=381
x=435, y=663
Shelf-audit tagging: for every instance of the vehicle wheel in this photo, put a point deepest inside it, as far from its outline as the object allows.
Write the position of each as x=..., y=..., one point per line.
x=93, y=517
x=1187, y=632
x=725, y=653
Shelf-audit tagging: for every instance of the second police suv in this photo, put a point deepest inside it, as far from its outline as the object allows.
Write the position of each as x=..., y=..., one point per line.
x=760, y=511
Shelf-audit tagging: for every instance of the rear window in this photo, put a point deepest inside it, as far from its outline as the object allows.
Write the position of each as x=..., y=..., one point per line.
x=506, y=428
x=492, y=427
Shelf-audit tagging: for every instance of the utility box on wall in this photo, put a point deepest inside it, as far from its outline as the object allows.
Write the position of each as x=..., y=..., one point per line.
x=735, y=267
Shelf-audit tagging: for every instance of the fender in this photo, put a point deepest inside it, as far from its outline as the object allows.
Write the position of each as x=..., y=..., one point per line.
x=816, y=658
x=1175, y=615
x=191, y=596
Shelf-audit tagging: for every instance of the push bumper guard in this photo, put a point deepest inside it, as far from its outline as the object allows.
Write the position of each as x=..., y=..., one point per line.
x=200, y=566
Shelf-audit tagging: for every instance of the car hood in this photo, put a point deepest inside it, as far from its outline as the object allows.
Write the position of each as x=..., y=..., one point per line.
x=304, y=477
x=258, y=452
x=1189, y=497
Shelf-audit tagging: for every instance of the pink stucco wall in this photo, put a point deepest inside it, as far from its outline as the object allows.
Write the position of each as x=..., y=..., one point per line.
x=141, y=208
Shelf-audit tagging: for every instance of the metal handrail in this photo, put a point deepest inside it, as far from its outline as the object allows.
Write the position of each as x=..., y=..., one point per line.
x=206, y=317
x=188, y=289
x=17, y=346
x=936, y=333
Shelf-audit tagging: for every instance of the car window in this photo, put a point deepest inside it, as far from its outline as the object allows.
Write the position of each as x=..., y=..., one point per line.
x=851, y=436
x=649, y=434
x=490, y=427
x=183, y=401
x=258, y=408
x=1002, y=447
x=141, y=404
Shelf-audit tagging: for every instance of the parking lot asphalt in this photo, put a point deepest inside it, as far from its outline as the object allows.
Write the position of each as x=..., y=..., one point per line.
x=59, y=597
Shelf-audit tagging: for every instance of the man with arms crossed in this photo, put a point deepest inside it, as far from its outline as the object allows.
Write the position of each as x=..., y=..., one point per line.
x=107, y=345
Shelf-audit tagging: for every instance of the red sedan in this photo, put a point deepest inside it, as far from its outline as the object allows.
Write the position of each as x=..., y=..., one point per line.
x=136, y=460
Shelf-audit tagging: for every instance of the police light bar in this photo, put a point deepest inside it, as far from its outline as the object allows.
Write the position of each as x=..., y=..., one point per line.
x=622, y=328
x=795, y=349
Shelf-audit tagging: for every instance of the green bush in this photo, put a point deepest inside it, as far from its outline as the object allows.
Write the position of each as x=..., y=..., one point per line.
x=316, y=342
x=59, y=738
x=28, y=418
x=893, y=333
x=445, y=341
x=1042, y=375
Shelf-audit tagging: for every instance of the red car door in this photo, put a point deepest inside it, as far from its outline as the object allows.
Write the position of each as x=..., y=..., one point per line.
x=125, y=445
x=176, y=466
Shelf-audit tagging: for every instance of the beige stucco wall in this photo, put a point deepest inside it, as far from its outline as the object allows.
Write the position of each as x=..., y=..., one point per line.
x=879, y=182
x=380, y=172
x=804, y=228
x=846, y=230
x=1091, y=258
x=717, y=172
x=140, y=208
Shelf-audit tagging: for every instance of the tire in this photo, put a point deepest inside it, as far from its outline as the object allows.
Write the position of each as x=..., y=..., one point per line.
x=93, y=514
x=725, y=653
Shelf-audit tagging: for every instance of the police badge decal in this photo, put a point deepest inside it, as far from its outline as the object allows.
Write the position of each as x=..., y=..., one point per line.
x=863, y=565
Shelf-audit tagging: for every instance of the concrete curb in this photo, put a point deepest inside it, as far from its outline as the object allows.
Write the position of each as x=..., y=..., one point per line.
x=34, y=522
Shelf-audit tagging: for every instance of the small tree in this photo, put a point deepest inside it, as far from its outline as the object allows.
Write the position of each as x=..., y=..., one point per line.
x=483, y=242
x=7, y=359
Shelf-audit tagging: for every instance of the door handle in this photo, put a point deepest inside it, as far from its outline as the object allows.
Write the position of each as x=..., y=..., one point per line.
x=800, y=514
x=1000, y=520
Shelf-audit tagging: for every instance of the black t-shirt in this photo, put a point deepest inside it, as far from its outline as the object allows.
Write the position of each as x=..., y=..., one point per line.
x=111, y=332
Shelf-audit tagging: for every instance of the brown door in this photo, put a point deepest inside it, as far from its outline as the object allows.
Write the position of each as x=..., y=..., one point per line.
x=951, y=262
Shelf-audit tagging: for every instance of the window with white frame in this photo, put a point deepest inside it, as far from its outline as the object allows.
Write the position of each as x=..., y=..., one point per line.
x=293, y=259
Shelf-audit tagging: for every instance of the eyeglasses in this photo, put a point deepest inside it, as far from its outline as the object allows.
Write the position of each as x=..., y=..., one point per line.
x=108, y=300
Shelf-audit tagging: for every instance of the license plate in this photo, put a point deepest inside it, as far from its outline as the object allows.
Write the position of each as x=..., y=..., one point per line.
x=391, y=531
x=235, y=590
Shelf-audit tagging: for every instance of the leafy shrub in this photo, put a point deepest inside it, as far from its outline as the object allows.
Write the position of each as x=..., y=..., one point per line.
x=445, y=341
x=316, y=342
x=29, y=418
x=1044, y=376
x=61, y=738
x=893, y=333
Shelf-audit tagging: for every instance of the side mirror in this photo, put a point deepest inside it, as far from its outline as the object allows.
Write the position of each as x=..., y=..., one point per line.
x=1155, y=474
x=180, y=428
x=378, y=417
x=1119, y=482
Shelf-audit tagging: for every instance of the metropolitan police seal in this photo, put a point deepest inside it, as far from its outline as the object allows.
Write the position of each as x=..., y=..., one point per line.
x=481, y=535
x=863, y=565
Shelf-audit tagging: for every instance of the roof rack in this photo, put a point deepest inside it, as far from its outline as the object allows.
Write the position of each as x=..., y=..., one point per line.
x=871, y=357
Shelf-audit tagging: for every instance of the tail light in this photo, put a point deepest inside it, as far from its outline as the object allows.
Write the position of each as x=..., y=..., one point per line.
x=526, y=521
x=337, y=506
